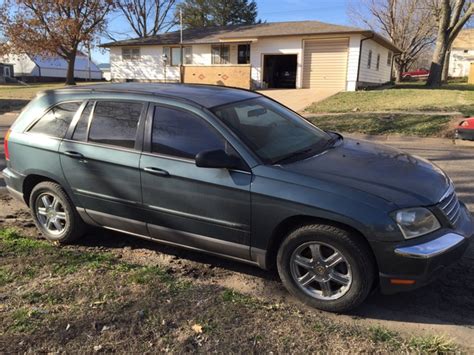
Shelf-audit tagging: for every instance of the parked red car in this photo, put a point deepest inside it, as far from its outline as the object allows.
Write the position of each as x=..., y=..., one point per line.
x=421, y=73
x=465, y=129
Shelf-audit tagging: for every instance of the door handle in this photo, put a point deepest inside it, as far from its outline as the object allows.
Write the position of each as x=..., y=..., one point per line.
x=75, y=155
x=156, y=171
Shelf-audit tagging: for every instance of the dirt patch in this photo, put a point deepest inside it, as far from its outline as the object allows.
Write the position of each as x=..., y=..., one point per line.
x=112, y=292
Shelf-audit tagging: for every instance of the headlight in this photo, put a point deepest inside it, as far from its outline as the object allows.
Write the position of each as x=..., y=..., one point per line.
x=415, y=222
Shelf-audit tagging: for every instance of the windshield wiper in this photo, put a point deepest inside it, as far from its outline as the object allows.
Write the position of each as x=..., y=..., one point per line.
x=292, y=155
x=333, y=140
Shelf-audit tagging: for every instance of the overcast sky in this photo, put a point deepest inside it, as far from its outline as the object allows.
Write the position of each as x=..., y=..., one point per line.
x=333, y=11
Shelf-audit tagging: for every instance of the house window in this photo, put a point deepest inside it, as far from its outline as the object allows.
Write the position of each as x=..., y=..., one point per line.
x=369, y=60
x=243, y=54
x=389, y=58
x=174, y=55
x=220, y=54
x=131, y=53
x=378, y=62
x=6, y=72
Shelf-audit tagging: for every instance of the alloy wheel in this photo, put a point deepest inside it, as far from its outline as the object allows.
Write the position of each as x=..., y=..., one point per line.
x=321, y=271
x=51, y=213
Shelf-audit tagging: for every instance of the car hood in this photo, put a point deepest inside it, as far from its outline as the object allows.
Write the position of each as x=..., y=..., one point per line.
x=386, y=172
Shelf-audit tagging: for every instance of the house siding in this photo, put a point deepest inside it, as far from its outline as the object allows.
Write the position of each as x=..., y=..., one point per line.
x=372, y=76
x=460, y=62
x=150, y=66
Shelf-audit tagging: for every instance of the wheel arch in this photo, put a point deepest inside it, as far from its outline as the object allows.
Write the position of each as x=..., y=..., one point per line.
x=281, y=231
x=34, y=178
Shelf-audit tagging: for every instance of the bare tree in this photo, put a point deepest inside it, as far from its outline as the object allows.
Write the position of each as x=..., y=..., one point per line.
x=57, y=27
x=451, y=16
x=406, y=23
x=146, y=17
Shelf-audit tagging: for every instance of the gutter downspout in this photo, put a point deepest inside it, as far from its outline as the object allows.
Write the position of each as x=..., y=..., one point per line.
x=360, y=56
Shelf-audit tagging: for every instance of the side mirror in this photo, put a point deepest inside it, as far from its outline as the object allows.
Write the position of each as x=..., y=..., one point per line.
x=217, y=159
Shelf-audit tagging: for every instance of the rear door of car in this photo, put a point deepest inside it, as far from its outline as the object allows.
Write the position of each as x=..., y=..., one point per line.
x=100, y=160
x=203, y=208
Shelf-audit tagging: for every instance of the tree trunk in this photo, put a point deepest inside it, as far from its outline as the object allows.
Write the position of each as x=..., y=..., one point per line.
x=70, y=69
x=445, y=74
x=439, y=55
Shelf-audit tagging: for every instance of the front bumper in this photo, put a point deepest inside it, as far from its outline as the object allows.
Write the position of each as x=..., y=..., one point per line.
x=414, y=263
x=465, y=134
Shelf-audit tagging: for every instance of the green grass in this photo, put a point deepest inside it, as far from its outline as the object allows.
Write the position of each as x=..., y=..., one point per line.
x=377, y=124
x=236, y=297
x=19, y=92
x=408, y=98
x=433, y=344
x=15, y=243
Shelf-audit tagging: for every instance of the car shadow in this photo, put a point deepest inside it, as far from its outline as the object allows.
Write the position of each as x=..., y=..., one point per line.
x=97, y=237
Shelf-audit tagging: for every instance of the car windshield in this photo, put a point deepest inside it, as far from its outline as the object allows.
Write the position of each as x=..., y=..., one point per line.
x=273, y=132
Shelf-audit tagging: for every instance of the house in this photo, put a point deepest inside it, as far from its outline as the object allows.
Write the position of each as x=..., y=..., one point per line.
x=105, y=69
x=52, y=68
x=462, y=54
x=6, y=72
x=304, y=54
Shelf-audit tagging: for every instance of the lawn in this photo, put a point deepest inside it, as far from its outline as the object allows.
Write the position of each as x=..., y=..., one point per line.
x=376, y=124
x=408, y=97
x=70, y=299
x=14, y=97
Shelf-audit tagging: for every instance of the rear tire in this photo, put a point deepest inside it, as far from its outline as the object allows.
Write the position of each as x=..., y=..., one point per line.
x=326, y=267
x=54, y=213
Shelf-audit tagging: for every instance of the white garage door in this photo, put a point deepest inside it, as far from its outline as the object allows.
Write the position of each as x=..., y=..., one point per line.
x=325, y=63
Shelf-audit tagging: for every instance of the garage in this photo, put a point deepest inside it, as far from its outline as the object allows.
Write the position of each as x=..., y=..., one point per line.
x=325, y=63
x=279, y=71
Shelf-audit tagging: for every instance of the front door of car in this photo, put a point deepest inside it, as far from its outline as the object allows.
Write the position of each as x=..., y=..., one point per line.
x=203, y=208
x=100, y=161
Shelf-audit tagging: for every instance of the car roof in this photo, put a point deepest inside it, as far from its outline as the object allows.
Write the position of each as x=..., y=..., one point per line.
x=203, y=95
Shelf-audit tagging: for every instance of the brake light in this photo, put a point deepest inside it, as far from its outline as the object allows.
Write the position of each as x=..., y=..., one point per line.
x=5, y=142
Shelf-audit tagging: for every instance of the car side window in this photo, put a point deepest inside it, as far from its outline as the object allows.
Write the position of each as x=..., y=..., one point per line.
x=115, y=123
x=182, y=134
x=57, y=120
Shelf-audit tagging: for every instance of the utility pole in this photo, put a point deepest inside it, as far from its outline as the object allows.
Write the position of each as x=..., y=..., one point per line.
x=181, y=67
x=89, y=59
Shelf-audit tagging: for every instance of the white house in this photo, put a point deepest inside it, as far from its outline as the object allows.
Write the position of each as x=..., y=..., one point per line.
x=462, y=54
x=305, y=54
x=50, y=68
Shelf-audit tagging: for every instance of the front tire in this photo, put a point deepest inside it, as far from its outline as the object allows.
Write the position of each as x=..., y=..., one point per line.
x=54, y=213
x=326, y=267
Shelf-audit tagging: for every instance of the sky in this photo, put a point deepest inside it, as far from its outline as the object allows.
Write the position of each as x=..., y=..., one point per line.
x=332, y=11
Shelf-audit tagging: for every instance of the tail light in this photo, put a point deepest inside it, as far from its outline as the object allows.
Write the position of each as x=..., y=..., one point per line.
x=5, y=142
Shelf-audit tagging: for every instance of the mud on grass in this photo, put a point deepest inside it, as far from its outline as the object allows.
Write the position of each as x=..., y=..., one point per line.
x=66, y=299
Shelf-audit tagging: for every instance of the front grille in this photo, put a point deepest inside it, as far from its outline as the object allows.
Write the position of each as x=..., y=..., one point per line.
x=451, y=208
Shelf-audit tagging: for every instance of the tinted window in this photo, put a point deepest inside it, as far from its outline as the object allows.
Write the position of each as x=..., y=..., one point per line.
x=182, y=134
x=115, y=123
x=80, y=132
x=57, y=120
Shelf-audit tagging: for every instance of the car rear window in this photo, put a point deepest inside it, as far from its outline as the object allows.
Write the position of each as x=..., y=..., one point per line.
x=115, y=123
x=57, y=120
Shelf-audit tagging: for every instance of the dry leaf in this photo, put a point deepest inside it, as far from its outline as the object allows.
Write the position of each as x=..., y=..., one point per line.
x=197, y=328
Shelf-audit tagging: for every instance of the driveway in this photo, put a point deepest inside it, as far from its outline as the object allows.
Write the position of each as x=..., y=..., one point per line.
x=298, y=99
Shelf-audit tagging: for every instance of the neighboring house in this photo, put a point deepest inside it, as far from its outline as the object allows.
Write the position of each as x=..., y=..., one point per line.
x=105, y=69
x=6, y=72
x=462, y=54
x=51, y=68
x=306, y=54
